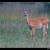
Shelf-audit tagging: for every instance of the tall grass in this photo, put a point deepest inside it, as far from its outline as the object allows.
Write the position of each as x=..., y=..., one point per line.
x=14, y=31
x=17, y=35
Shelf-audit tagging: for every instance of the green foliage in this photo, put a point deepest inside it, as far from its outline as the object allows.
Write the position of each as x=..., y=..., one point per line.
x=2, y=29
x=47, y=3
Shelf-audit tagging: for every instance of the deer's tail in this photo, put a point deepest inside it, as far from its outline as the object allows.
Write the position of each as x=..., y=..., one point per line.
x=47, y=26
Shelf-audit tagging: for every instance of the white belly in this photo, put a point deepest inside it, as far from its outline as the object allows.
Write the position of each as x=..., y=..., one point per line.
x=38, y=28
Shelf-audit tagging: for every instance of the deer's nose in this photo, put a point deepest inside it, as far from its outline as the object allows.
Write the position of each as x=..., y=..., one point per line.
x=25, y=15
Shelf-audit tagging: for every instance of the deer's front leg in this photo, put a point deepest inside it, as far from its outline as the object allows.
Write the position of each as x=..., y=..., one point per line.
x=44, y=33
x=30, y=31
x=30, y=34
x=33, y=32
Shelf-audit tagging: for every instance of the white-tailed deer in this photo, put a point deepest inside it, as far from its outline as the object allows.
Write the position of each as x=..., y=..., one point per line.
x=40, y=22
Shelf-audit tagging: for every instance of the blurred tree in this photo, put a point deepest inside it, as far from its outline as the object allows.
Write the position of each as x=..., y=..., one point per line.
x=27, y=3
x=1, y=3
x=47, y=7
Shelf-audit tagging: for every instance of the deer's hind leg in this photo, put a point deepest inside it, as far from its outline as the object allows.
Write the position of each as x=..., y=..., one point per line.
x=44, y=36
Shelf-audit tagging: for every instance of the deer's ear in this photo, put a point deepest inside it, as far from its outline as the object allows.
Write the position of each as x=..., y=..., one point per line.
x=29, y=11
x=23, y=10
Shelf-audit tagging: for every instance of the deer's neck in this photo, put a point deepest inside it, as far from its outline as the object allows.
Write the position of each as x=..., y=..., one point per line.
x=27, y=19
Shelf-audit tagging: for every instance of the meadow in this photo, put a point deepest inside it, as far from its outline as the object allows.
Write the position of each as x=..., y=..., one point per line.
x=14, y=32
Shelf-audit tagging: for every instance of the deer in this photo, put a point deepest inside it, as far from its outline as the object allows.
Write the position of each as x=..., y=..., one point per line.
x=36, y=23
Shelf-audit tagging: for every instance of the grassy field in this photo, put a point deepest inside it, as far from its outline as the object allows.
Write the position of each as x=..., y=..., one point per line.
x=14, y=32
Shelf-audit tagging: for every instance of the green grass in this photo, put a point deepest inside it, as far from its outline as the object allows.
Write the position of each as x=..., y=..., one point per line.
x=15, y=33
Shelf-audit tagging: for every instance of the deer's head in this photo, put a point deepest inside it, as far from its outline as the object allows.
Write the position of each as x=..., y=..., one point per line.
x=26, y=13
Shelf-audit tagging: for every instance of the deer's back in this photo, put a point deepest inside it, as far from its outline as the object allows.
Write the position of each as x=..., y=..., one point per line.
x=44, y=20
x=35, y=23
x=38, y=22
